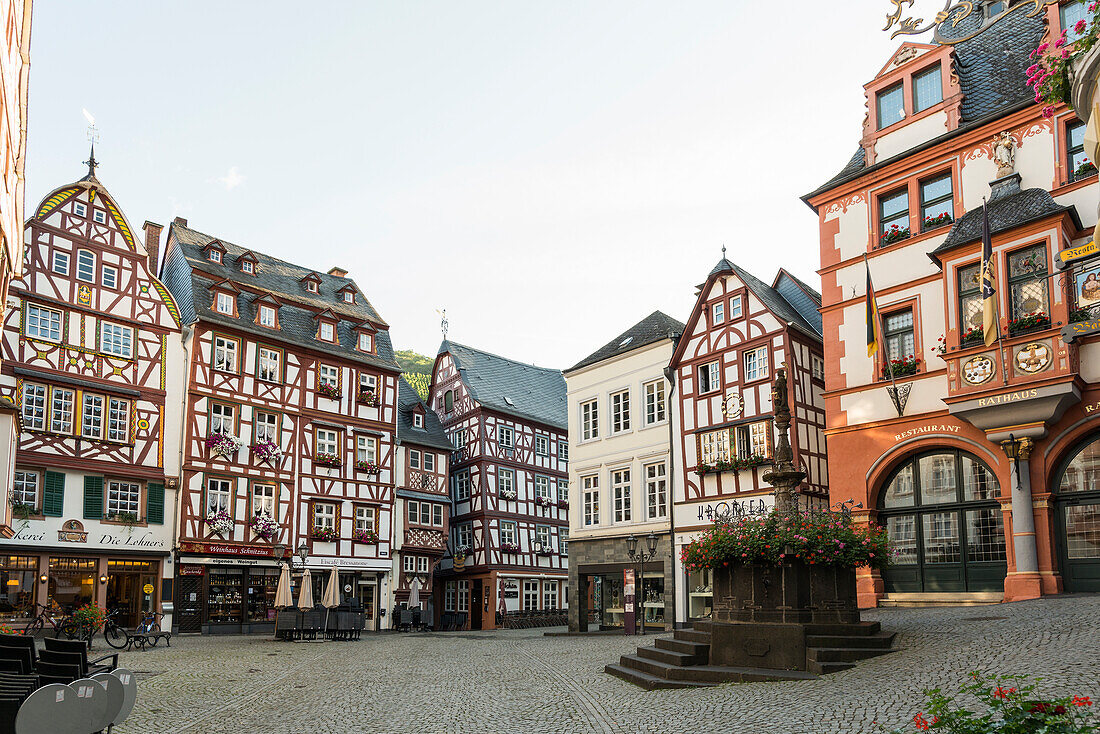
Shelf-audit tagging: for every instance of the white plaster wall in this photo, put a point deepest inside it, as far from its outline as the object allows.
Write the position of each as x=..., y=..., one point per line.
x=911, y=135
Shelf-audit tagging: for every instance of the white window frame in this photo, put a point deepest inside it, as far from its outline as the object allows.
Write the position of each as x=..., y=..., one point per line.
x=449, y=596
x=462, y=485
x=429, y=461
x=590, y=420
x=755, y=363
x=656, y=407
x=621, y=495
x=418, y=420
x=736, y=309
x=656, y=490
x=85, y=266
x=437, y=515
x=542, y=487
x=366, y=517
x=326, y=441
x=817, y=367
x=563, y=540
x=366, y=343
x=79, y=209
x=27, y=488
x=267, y=316
x=265, y=426
x=542, y=444
x=414, y=459
x=506, y=480
x=214, y=256
x=544, y=538
x=223, y=303
x=464, y=535
x=563, y=490
x=116, y=340
x=43, y=323
x=328, y=375
x=506, y=437
x=62, y=409
x=59, y=263
x=718, y=313
x=223, y=418
x=99, y=216
x=264, y=499
x=531, y=595
x=710, y=377
x=219, y=495
x=247, y=267
x=269, y=364
x=226, y=351
x=118, y=419
x=35, y=406
x=366, y=449
x=422, y=565
x=549, y=594
x=122, y=496
x=324, y=515
x=91, y=415
x=563, y=449
x=327, y=331
x=509, y=531
x=590, y=498
x=110, y=281
x=463, y=596
x=349, y=297
x=620, y=411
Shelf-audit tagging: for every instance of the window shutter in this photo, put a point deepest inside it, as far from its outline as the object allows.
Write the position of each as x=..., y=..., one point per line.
x=53, y=494
x=93, y=498
x=154, y=503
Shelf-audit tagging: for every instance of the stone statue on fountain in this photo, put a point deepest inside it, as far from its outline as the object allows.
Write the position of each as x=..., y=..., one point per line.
x=784, y=476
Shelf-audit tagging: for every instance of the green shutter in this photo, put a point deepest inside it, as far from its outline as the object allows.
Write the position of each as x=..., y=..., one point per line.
x=154, y=503
x=93, y=498
x=53, y=494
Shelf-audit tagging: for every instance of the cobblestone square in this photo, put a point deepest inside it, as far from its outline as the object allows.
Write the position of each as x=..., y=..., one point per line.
x=520, y=680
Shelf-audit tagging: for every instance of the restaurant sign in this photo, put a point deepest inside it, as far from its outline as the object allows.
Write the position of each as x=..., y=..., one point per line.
x=72, y=532
x=226, y=549
x=1079, y=329
x=1076, y=254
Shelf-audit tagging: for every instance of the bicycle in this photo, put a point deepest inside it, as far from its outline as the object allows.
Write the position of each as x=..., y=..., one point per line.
x=113, y=632
x=65, y=625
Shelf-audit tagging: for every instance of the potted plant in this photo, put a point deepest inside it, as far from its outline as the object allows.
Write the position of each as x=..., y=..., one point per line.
x=907, y=365
x=368, y=397
x=264, y=526
x=894, y=234
x=508, y=494
x=221, y=522
x=563, y=504
x=938, y=220
x=21, y=510
x=325, y=533
x=1031, y=322
x=329, y=390
x=90, y=618
x=368, y=467
x=509, y=547
x=703, y=467
x=973, y=334
x=1086, y=168
x=543, y=501
x=322, y=458
x=941, y=346
x=223, y=444
x=126, y=518
x=267, y=451
x=365, y=536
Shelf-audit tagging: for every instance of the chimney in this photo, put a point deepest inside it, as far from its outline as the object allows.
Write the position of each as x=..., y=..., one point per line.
x=152, y=245
x=337, y=272
x=180, y=221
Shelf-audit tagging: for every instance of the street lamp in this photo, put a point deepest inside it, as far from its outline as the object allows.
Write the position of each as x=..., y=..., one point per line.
x=1011, y=447
x=638, y=557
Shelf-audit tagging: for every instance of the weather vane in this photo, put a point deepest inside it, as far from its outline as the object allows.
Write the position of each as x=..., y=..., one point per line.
x=443, y=323
x=956, y=11
x=93, y=138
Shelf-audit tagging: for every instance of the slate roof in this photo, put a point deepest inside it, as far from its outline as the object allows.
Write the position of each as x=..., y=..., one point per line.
x=653, y=328
x=189, y=276
x=776, y=303
x=799, y=294
x=990, y=68
x=432, y=434
x=510, y=387
x=1005, y=213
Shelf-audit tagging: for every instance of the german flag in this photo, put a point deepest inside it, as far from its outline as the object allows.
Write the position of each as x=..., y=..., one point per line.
x=873, y=327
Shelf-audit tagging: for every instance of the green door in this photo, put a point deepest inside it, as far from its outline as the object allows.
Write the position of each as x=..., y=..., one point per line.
x=1077, y=517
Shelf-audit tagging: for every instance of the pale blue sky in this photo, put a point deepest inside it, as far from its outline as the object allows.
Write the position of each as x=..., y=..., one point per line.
x=550, y=172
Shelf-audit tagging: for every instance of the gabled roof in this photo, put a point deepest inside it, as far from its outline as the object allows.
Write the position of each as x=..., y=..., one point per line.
x=653, y=328
x=510, y=387
x=801, y=296
x=432, y=434
x=777, y=304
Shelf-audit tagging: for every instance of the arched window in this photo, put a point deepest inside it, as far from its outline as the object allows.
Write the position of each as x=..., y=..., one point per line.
x=448, y=401
x=1077, y=517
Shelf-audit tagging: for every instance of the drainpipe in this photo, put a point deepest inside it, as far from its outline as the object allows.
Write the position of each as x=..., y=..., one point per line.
x=670, y=375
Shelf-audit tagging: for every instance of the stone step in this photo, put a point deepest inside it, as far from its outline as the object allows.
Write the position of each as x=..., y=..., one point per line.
x=861, y=629
x=709, y=673
x=691, y=648
x=842, y=654
x=672, y=657
x=882, y=640
x=826, y=668
x=947, y=599
x=647, y=681
x=692, y=635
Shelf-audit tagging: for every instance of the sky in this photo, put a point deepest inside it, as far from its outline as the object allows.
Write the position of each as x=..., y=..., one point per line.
x=548, y=172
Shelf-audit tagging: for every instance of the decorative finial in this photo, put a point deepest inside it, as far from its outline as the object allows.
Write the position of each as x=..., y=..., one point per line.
x=723, y=250
x=443, y=323
x=93, y=136
x=91, y=162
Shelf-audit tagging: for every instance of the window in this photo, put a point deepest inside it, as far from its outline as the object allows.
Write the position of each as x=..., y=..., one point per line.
x=817, y=367
x=79, y=209
x=324, y=515
x=1069, y=14
x=897, y=332
x=268, y=363
x=542, y=445
x=267, y=427
x=42, y=323
x=247, y=267
x=267, y=316
x=224, y=303
x=506, y=481
x=365, y=518
x=620, y=492
x=735, y=308
x=123, y=497
x=327, y=441
x=752, y=441
x=937, y=205
x=366, y=343
x=927, y=89
x=91, y=416
x=25, y=489
x=530, y=595
x=368, y=384
x=893, y=217
x=508, y=532
x=506, y=437
x=970, y=301
x=421, y=564
x=414, y=459
x=654, y=402
x=366, y=449
x=61, y=410
x=429, y=461
x=542, y=487
x=591, y=498
x=1075, y=152
x=718, y=312
x=590, y=422
x=462, y=485
x=1027, y=282
x=890, y=106
x=329, y=375
x=458, y=438
x=61, y=261
x=437, y=515
x=714, y=446
x=219, y=493
x=85, y=266
x=542, y=537
x=549, y=594
x=100, y=216
x=116, y=340
x=563, y=450
x=34, y=406
x=746, y=441
x=118, y=420
x=222, y=418
x=263, y=499
x=710, y=378
x=563, y=490
x=327, y=331
x=464, y=534
x=756, y=364
x=420, y=513
x=418, y=420
x=448, y=401
x=349, y=297
x=620, y=411
x=214, y=256
x=656, y=491
x=449, y=597
x=225, y=354
x=409, y=564
x=463, y=596
x=311, y=286
x=109, y=276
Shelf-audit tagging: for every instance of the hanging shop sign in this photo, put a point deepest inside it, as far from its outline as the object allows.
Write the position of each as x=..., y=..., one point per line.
x=1068, y=257
x=1079, y=329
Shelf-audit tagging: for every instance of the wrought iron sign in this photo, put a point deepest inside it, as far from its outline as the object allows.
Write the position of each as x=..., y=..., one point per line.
x=955, y=11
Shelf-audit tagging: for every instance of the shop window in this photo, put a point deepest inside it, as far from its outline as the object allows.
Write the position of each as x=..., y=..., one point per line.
x=72, y=583
x=18, y=582
x=549, y=594
x=262, y=585
x=1077, y=518
x=1027, y=282
x=225, y=595
x=927, y=89
x=700, y=593
x=890, y=106
x=530, y=595
x=656, y=491
x=937, y=202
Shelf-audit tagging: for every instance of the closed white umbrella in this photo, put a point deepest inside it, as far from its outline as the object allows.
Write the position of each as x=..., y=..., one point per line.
x=283, y=597
x=305, y=596
x=331, y=596
x=414, y=594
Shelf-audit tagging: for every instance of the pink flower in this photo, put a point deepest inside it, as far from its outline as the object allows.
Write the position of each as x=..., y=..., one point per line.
x=1080, y=27
x=1048, y=111
x=1060, y=42
x=1042, y=48
x=1032, y=69
x=1065, y=53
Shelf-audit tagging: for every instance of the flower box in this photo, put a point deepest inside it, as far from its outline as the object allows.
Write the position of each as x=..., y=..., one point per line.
x=368, y=467
x=367, y=537
x=508, y=494
x=368, y=397
x=324, y=459
x=544, y=501
x=509, y=547
x=1028, y=323
x=126, y=518
x=931, y=223
x=267, y=451
x=328, y=390
x=733, y=465
x=324, y=534
x=563, y=504
x=1087, y=168
x=221, y=522
x=901, y=367
x=1080, y=314
x=894, y=234
x=264, y=526
x=223, y=444
x=545, y=552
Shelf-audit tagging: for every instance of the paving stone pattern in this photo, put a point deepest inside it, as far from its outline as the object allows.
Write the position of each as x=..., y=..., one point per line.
x=521, y=681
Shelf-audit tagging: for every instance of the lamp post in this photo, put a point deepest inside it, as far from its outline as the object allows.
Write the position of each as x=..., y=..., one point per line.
x=1011, y=447
x=638, y=556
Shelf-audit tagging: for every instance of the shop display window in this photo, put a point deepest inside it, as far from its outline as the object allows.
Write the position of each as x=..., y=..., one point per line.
x=224, y=597
x=653, y=598
x=700, y=588
x=71, y=583
x=262, y=583
x=17, y=583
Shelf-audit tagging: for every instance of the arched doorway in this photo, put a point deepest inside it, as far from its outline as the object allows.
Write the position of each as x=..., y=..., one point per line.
x=1077, y=517
x=940, y=509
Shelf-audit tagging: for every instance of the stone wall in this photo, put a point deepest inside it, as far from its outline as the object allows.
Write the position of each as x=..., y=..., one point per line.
x=593, y=557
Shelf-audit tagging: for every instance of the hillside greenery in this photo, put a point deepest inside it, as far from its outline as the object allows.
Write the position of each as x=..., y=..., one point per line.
x=417, y=369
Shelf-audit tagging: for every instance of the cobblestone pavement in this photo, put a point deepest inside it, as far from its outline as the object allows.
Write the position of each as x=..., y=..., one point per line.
x=521, y=681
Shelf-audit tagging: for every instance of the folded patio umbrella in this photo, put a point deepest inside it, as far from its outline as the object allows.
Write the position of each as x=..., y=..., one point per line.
x=283, y=597
x=305, y=596
x=414, y=593
x=331, y=596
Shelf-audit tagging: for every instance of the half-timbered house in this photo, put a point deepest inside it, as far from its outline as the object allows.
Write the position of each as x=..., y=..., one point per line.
x=509, y=485
x=740, y=331
x=92, y=360
x=288, y=441
x=421, y=504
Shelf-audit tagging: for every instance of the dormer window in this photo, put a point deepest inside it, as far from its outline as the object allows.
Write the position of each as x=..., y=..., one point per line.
x=311, y=286
x=418, y=420
x=890, y=106
x=267, y=316
x=349, y=297
x=214, y=256
x=247, y=267
x=327, y=331
x=927, y=89
x=366, y=342
x=224, y=304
